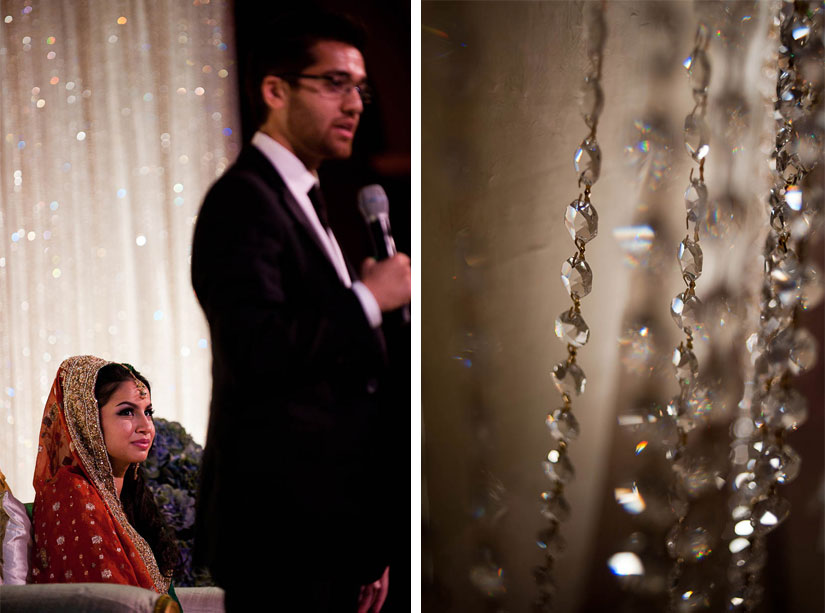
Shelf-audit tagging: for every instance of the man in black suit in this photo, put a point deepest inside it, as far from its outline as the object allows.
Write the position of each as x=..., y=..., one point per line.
x=291, y=512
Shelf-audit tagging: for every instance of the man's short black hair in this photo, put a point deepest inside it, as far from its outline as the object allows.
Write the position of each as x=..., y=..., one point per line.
x=284, y=46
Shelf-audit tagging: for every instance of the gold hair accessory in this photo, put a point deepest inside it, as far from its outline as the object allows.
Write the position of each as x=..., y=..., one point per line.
x=140, y=385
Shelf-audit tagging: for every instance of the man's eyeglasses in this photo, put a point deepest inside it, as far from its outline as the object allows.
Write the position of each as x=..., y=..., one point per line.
x=336, y=85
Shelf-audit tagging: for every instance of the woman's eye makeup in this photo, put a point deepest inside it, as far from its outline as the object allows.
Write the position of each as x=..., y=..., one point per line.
x=128, y=412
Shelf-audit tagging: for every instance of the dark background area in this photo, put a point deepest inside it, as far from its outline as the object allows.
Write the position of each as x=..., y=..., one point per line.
x=381, y=155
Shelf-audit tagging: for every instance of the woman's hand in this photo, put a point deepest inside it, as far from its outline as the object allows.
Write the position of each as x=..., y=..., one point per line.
x=372, y=596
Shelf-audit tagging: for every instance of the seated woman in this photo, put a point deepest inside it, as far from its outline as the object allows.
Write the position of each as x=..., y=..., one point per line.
x=94, y=518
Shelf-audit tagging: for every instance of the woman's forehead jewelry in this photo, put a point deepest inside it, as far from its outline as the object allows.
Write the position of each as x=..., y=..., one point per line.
x=140, y=385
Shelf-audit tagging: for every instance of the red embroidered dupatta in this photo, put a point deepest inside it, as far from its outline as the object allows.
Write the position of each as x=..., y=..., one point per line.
x=81, y=533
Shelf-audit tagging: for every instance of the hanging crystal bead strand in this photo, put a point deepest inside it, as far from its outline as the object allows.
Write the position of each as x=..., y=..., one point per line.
x=762, y=460
x=581, y=221
x=685, y=308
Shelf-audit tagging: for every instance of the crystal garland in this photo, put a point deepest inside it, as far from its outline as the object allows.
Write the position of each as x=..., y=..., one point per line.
x=761, y=460
x=684, y=542
x=488, y=494
x=581, y=221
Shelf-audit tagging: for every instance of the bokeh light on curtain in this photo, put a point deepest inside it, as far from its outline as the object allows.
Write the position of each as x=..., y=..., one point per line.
x=116, y=118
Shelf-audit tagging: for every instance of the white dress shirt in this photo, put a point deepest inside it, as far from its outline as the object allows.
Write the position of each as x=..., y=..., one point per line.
x=299, y=181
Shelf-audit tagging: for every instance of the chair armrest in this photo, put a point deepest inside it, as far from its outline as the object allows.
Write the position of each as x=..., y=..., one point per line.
x=87, y=597
x=200, y=599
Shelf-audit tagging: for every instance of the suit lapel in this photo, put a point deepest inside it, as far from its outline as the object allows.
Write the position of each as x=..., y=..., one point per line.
x=253, y=159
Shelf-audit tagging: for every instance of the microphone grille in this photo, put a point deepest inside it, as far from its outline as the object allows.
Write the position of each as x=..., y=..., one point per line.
x=373, y=202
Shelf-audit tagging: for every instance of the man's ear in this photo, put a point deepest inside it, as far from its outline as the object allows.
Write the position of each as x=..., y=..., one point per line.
x=274, y=91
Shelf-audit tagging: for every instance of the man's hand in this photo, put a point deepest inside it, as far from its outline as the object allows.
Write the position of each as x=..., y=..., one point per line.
x=388, y=280
x=372, y=596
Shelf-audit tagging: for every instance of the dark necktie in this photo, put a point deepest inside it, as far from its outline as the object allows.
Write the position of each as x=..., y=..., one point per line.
x=317, y=199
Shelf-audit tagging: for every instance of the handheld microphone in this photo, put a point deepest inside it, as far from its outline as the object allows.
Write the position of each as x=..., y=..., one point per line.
x=375, y=207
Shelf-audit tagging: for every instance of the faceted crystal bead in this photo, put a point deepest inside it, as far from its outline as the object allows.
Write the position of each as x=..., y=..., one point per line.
x=800, y=33
x=793, y=198
x=723, y=213
x=777, y=351
x=790, y=101
x=776, y=251
x=551, y=541
x=690, y=259
x=769, y=513
x=487, y=579
x=690, y=588
x=754, y=595
x=689, y=600
x=591, y=101
x=572, y=329
x=680, y=414
x=780, y=465
x=679, y=505
x=780, y=217
x=554, y=506
x=686, y=364
x=783, y=136
x=749, y=486
x=569, y=378
x=545, y=601
x=811, y=290
x=699, y=72
x=696, y=137
x=752, y=559
x=637, y=415
x=581, y=221
x=558, y=467
x=648, y=150
x=688, y=542
x=783, y=408
x=810, y=67
x=807, y=145
x=666, y=434
x=803, y=351
x=638, y=348
x=786, y=278
x=577, y=276
x=788, y=167
x=563, y=425
x=696, y=474
x=699, y=401
x=696, y=200
x=779, y=161
x=543, y=575
x=685, y=310
x=588, y=161
x=628, y=568
x=735, y=600
x=742, y=428
x=736, y=110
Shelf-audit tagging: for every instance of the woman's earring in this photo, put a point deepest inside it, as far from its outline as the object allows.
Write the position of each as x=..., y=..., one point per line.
x=137, y=464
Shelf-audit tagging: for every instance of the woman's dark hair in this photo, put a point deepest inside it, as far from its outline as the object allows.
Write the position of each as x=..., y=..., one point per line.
x=284, y=46
x=137, y=499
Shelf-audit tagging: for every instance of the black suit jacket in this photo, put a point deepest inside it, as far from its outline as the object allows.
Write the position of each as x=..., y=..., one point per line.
x=294, y=461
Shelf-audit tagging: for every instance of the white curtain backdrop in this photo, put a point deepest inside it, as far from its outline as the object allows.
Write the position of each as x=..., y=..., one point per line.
x=116, y=117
